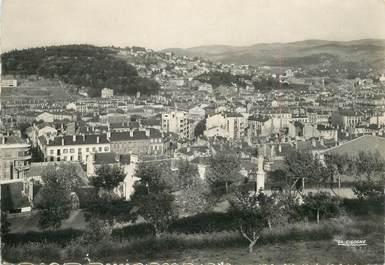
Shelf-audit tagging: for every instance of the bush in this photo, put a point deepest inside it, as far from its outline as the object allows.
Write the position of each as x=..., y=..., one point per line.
x=205, y=223
x=33, y=252
x=359, y=207
x=133, y=231
x=61, y=237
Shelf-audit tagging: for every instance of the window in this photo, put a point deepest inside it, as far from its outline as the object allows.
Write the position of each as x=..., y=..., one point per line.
x=93, y=149
x=71, y=158
x=65, y=158
x=65, y=151
x=87, y=149
x=51, y=152
x=79, y=150
x=100, y=149
x=106, y=149
x=72, y=150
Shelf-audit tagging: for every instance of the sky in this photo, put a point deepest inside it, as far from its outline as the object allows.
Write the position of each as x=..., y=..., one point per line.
x=160, y=24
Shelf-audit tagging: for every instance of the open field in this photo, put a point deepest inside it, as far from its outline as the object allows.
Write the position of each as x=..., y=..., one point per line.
x=33, y=87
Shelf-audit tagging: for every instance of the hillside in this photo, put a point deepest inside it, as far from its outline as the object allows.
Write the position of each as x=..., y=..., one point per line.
x=357, y=54
x=80, y=65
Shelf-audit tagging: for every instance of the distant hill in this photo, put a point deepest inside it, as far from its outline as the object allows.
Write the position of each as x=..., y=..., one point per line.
x=358, y=53
x=80, y=65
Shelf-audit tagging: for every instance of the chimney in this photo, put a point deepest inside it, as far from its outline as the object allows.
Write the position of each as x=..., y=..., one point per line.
x=108, y=135
x=147, y=132
x=131, y=133
x=74, y=138
x=97, y=139
x=62, y=141
x=84, y=137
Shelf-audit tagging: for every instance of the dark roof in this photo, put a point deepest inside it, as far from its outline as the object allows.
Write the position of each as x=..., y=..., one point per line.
x=37, y=169
x=234, y=114
x=366, y=143
x=106, y=158
x=79, y=140
x=12, y=139
x=137, y=135
x=258, y=118
x=131, y=125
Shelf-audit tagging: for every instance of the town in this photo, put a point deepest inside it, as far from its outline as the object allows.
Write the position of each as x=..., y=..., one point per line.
x=205, y=117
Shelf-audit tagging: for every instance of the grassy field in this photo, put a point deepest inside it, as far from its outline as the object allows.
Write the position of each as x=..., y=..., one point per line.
x=33, y=87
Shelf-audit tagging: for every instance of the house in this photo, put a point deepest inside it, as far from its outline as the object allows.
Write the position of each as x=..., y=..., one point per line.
x=176, y=122
x=15, y=159
x=149, y=141
x=107, y=93
x=347, y=118
x=73, y=147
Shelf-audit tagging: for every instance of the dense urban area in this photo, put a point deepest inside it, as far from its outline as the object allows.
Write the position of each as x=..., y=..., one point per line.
x=132, y=155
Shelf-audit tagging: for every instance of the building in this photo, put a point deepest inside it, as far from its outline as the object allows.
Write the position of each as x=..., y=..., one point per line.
x=228, y=125
x=73, y=147
x=259, y=126
x=8, y=83
x=176, y=122
x=15, y=159
x=347, y=118
x=149, y=142
x=107, y=93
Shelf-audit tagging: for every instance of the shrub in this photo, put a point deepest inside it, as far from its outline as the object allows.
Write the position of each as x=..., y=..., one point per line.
x=34, y=252
x=205, y=223
x=60, y=237
x=359, y=207
x=133, y=231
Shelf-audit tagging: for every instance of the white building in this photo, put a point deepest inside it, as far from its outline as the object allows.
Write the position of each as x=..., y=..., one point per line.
x=107, y=93
x=73, y=147
x=176, y=122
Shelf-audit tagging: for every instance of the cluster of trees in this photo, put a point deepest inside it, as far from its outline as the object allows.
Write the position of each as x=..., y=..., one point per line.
x=80, y=65
x=217, y=79
x=161, y=196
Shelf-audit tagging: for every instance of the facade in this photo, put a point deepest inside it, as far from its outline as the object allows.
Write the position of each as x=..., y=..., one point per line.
x=347, y=118
x=149, y=142
x=228, y=125
x=15, y=159
x=259, y=126
x=74, y=147
x=176, y=122
x=107, y=93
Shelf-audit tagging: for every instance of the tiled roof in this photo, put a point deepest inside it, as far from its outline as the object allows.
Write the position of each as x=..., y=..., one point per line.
x=79, y=140
x=136, y=135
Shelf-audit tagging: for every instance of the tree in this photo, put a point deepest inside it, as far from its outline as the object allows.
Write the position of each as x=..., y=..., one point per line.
x=187, y=173
x=224, y=168
x=200, y=128
x=107, y=178
x=153, y=198
x=369, y=189
x=56, y=194
x=194, y=198
x=253, y=211
x=322, y=203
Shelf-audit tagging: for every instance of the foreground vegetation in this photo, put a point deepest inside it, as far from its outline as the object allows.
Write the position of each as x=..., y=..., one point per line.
x=275, y=246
